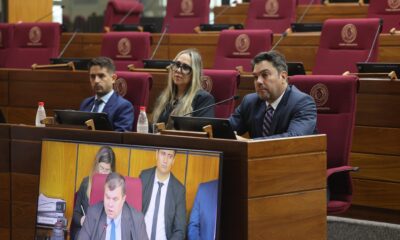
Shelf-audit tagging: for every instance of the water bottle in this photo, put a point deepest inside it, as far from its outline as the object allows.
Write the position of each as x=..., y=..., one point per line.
x=40, y=115
x=142, y=123
x=58, y=231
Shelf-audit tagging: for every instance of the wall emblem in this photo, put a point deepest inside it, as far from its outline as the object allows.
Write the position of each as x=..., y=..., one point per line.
x=206, y=83
x=120, y=86
x=320, y=94
x=186, y=7
x=271, y=8
x=124, y=47
x=35, y=34
x=242, y=44
x=349, y=33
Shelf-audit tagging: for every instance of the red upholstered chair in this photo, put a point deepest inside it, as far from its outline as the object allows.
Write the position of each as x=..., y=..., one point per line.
x=335, y=97
x=6, y=36
x=134, y=87
x=389, y=11
x=34, y=43
x=184, y=15
x=344, y=42
x=117, y=9
x=271, y=14
x=126, y=48
x=133, y=191
x=224, y=84
x=238, y=47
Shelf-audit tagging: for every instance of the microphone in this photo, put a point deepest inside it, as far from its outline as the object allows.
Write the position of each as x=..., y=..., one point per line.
x=284, y=34
x=127, y=14
x=214, y=104
x=48, y=14
x=224, y=10
x=375, y=38
x=68, y=43
x=159, y=41
x=305, y=11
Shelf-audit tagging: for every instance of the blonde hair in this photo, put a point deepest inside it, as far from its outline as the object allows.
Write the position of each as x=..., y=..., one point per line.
x=105, y=155
x=169, y=94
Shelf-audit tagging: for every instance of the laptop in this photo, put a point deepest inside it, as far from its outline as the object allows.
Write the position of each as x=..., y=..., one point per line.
x=220, y=126
x=156, y=64
x=306, y=27
x=79, y=63
x=78, y=118
x=373, y=67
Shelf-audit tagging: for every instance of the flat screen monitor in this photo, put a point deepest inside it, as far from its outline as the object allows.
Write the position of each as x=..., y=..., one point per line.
x=78, y=118
x=306, y=27
x=79, y=63
x=219, y=27
x=373, y=67
x=295, y=68
x=220, y=126
x=195, y=177
x=2, y=118
x=157, y=64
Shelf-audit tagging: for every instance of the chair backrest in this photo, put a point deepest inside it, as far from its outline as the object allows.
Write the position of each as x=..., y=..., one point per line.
x=224, y=84
x=271, y=14
x=133, y=190
x=344, y=42
x=134, y=87
x=6, y=38
x=34, y=43
x=335, y=97
x=126, y=48
x=387, y=10
x=184, y=15
x=238, y=47
x=116, y=10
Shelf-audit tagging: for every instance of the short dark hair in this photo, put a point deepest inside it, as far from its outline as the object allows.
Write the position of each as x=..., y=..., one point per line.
x=275, y=58
x=102, y=62
x=115, y=180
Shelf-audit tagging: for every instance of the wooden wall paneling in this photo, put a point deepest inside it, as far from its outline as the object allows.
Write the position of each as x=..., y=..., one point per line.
x=76, y=46
x=141, y=159
x=299, y=215
x=378, y=194
x=376, y=167
x=376, y=140
x=29, y=11
x=3, y=88
x=5, y=182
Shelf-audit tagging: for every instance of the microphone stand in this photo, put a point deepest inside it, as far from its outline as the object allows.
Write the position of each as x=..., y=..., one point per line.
x=215, y=104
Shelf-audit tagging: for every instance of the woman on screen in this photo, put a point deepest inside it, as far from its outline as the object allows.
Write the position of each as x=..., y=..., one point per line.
x=184, y=92
x=104, y=163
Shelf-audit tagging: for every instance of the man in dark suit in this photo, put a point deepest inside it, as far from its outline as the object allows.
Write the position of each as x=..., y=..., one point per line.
x=113, y=219
x=164, y=199
x=277, y=109
x=202, y=223
x=119, y=110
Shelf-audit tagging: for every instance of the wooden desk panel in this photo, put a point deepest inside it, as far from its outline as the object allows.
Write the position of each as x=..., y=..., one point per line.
x=315, y=14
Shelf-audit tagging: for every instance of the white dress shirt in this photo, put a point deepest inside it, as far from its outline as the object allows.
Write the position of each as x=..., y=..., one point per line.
x=275, y=104
x=160, y=233
x=117, y=222
x=105, y=99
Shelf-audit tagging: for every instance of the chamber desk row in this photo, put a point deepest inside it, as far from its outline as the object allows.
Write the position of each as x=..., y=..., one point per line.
x=271, y=189
x=297, y=47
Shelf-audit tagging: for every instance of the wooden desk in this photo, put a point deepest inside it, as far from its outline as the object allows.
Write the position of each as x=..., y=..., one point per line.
x=316, y=13
x=264, y=182
x=298, y=47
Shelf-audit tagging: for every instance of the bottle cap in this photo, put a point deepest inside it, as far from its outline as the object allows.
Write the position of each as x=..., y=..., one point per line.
x=143, y=108
x=41, y=103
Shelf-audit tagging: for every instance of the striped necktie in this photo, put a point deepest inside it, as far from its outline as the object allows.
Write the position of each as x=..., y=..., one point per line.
x=97, y=103
x=267, y=121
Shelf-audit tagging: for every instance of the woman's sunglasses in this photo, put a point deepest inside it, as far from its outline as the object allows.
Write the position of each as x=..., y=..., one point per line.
x=186, y=69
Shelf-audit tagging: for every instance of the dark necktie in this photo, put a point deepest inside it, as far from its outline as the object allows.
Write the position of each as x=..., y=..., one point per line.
x=112, y=233
x=97, y=103
x=267, y=121
x=155, y=216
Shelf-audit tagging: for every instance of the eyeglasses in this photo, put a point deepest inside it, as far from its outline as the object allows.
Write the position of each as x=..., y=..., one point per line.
x=186, y=69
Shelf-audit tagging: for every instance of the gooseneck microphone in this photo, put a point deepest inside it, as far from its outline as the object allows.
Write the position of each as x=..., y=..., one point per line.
x=68, y=43
x=127, y=14
x=284, y=34
x=47, y=14
x=212, y=105
x=223, y=11
x=159, y=41
x=305, y=11
x=375, y=38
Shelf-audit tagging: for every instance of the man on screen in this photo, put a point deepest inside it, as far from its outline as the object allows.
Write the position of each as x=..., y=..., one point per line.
x=113, y=219
x=277, y=109
x=203, y=218
x=102, y=77
x=164, y=199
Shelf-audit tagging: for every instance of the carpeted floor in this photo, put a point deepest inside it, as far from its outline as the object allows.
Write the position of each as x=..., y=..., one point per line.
x=352, y=229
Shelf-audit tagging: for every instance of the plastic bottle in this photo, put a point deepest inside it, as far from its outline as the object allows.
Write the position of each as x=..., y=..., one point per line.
x=142, y=123
x=40, y=115
x=58, y=231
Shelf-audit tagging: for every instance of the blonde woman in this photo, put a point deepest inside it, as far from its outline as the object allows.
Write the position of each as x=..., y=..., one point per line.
x=104, y=163
x=184, y=93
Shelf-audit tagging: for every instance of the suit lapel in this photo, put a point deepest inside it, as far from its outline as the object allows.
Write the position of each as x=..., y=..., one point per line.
x=148, y=189
x=110, y=103
x=126, y=223
x=259, y=117
x=169, y=203
x=102, y=226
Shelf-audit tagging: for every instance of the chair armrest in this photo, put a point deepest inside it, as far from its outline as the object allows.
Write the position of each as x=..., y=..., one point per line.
x=331, y=171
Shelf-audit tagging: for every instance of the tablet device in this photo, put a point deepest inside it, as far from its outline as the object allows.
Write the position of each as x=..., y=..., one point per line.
x=72, y=117
x=373, y=67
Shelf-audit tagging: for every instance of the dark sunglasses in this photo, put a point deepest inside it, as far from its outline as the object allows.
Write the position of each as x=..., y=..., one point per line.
x=186, y=69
